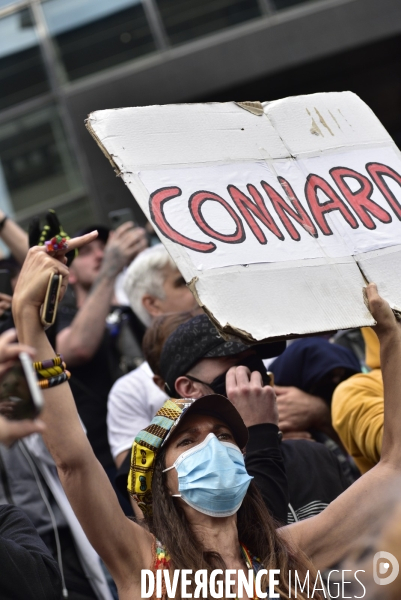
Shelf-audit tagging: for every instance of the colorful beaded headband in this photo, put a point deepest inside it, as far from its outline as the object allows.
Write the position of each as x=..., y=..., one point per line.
x=146, y=447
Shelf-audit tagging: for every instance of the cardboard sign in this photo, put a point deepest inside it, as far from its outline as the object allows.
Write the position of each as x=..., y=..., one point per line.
x=277, y=215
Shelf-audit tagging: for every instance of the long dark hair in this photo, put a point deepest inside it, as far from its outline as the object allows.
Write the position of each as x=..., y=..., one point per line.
x=256, y=530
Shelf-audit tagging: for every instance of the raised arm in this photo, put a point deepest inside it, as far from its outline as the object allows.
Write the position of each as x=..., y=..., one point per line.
x=256, y=404
x=124, y=546
x=79, y=342
x=328, y=537
x=14, y=237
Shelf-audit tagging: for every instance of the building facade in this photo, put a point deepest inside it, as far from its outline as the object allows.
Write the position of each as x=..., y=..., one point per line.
x=62, y=59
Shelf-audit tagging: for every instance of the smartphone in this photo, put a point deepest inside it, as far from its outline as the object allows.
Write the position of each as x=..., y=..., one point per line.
x=119, y=217
x=20, y=394
x=5, y=282
x=49, y=309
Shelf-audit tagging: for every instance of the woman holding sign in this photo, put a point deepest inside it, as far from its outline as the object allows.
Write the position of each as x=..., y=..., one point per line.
x=188, y=467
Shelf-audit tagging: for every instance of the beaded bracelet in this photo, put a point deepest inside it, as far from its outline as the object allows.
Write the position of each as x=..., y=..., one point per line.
x=57, y=361
x=51, y=372
x=53, y=381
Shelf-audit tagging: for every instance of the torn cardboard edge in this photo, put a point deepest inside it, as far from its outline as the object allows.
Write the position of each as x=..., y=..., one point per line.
x=229, y=333
x=256, y=107
x=306, y=303
x=89, y=127
x=260, y=287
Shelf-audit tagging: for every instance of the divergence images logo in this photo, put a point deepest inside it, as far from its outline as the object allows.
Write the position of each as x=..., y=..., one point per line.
x=381, y=566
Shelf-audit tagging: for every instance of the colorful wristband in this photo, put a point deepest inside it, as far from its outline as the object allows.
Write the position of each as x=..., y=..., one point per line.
x=53, y=381
x=52, y=372
x=57, y=361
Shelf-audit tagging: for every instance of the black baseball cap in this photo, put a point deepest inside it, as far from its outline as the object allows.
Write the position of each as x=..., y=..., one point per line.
x=102, y=230
x=213, y=405
x=198, y=338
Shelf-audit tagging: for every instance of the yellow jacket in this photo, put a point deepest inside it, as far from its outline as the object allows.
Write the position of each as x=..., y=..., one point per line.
x=358, y=409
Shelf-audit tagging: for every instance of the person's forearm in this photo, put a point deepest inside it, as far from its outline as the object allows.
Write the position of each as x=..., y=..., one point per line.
x=83, y=478
x=390, y=357
x=60, y=414
x=81, y=340
x=14, y=238
x=123, y=546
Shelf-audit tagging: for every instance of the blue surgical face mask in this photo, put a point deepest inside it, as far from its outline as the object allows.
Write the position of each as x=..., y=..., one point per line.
x=212, y=477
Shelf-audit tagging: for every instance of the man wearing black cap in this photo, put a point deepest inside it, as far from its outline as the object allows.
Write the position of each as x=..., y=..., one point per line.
x=189, y=355
x=196, y=360
x=90, y=324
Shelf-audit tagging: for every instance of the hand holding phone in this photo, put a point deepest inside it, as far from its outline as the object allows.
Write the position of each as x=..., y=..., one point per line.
x=20, y=394
x=121, y=216
x=49, y=309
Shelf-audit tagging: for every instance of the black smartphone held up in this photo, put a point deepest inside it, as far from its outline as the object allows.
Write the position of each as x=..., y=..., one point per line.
x=49, y=309
x=20, y=394
x=119, y=217
x=5, y=282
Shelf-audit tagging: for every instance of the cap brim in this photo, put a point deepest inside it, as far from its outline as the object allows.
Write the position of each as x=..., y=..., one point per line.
x=103, y=232
x=265, y=350
x=270, y=349
x=218, y=406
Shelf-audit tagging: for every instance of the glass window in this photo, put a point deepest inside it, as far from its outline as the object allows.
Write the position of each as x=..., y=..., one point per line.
x=188, y=19
x=36, y=164
x=73, y=215
x=96, y=34
x=76, y=215
x=286, y=3
x=22, y=73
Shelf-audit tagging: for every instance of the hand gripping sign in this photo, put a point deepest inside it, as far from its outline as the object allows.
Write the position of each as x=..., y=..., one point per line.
x=276, y=215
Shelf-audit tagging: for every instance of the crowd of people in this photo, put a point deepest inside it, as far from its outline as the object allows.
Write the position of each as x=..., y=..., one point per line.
x=164, y=446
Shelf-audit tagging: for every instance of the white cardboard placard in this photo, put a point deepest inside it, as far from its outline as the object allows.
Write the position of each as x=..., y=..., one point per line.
x=276, y=217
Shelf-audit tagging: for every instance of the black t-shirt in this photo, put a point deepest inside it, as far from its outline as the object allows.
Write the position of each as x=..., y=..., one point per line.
x=265, y=462
x=90, y=385
x=315, y=477
x=91, y=382
x=28, y=571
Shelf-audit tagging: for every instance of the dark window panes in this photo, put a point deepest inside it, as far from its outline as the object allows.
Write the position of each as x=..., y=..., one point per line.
x=185, y=20
x=76, y=215
x=279, y=4
x=73, y=215
x=92, y=35
x=36, y=163
x=22, y=73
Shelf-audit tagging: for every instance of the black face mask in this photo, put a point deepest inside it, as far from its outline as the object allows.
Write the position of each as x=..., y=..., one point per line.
x=253, y=362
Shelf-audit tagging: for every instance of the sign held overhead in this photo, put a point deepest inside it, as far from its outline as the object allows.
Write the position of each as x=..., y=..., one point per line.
x=276, y=214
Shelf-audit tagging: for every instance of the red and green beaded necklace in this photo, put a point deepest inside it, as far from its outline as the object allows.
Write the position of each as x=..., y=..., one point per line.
x=249, y=561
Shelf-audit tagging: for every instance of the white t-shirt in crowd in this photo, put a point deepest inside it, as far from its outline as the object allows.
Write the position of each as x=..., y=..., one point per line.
x=133, y=401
